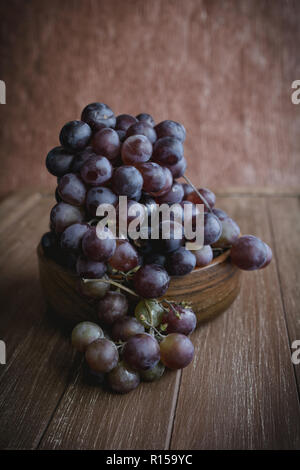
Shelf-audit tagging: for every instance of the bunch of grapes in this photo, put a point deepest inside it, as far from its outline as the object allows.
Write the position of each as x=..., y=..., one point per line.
x=102, y=157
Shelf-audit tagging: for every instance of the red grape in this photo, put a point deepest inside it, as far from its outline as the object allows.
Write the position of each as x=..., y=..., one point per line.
x=126, y=327
x=96, y=170
x=141, y=351
x=176, y=350
x=98, y=115
x=125, y=257
x=122, y=379
x=72, y=190
x=249, y=253
x=84, y=334
x=207, y=194
x=112, y=307
x=89, y=269
x=167, y=151
x=151, y=281
x=180, y=262
x=102, y=355
x=98, y=249
x=170, y=129
x=136, y=149
x=106, y=142
x=179, y=319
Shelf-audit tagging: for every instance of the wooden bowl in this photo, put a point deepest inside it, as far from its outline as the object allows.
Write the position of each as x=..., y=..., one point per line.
x=211, y=289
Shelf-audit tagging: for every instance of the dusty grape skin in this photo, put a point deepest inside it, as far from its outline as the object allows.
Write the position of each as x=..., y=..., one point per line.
x=168, y=184
x=71, y=238
x=127, y=181
x=155, y=373
x=141, y=352
x=63, y=215
x=178, y=169
x=98, y=115
x=207, y=194
x=268, y=257
x=84, y=334
x=122, y=379
x=151, y=281
x=125, y=257
x=59, y=161
x=174, y=196
x=96, y=170
x=80, y=158
x=220, y=213
x=98, y=249
x=72, y=189
x=176, y=350
x=75, y=135
x=154, y=177
x=248, y=253
x=145, y=117
x=185, y=323
x=89, y=269
x=136, y=149
x=112, y=307
x=180, y=262
x=212, y=228
x=124, y=121
x=170, y=128
x=142, y=128
x=204, y=256
x=167, y=151
x=99, y=195
x=102, y=355
x=93, y=289
x=126, y=327
x=230, y=233
x=106, y=142
x=155, y=258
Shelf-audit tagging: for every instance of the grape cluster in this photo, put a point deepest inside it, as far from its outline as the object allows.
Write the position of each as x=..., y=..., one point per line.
x=102, y=157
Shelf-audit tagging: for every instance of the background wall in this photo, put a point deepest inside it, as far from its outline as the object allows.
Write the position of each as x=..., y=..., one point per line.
x=222, y=68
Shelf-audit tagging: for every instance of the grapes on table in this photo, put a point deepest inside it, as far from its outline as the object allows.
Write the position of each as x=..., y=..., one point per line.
x=125, y=280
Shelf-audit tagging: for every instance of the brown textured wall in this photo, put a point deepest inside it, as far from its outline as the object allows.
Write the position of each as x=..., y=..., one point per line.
x=222, y=68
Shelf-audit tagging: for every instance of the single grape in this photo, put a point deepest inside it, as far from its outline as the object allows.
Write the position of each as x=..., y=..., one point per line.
x=72, y=190
x=122, y=379
x=59, y=161
x=98, y=115
x=136, y=149
x=75, y=135
x=154, y=177
x=93, y=289
x=50, y=244
x=176, y=350
x=102, y=355
x=125, y=258
x=167, y=151
x=187, y=189
x=170, y=129
x=63, y=215
x=99, y=195
x=112, y=307
x=212, y=228
x=230, y=233
x=127, y=181
x=174, y=196
x=220, y=214
x=126, y=327
x=249, y=253
x=204, y=256
x=179, y=319
x=155, y=373
x=151, y=281
x=168, y=184
x=155, y=258
x=80, y=158
x=124, y=121
x=207, y=194
x=98, y=249
x=96, y=170
x=149, y=313
x=144, y=117
x=141, y=352
x=71, y=237
x=84, y=334
x=106, y=142
x=89, y=269
x=178, y=169
x=142, y=128
x=269, y=256
x=180, y=262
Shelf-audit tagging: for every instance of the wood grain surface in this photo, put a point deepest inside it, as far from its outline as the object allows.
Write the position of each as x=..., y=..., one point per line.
x=239, y=393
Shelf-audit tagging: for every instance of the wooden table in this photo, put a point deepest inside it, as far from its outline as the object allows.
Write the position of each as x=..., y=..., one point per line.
x=241, y=391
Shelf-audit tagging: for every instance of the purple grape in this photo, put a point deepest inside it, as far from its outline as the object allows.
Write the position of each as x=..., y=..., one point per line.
x=207, y=194
x=99, y=195
x=93, y=288
x=170, y=129
x=180, y=262
x=71, y=237
x=151, y=281
x=127, y=181
x=204, y=256
x=142, y=128
x=178, y=169
x=96, y=170
x=122, y=379
x=153, y=175
x=98, y=115
x=125, y=257
x=176, y=350
x=63, y=215
x=84, y=334
x=230, y=233
x=98, y=249
x=112, y=307
x=249, y=253
x=102, y=355
x=269, y=256
x=136, y=149
x=144, y=117
x=212, y=228
x=141, y=352
x=179, y=319
x=88, y=269
x=220, y=214
x=126, y=327
x=167, y=151
x=106, y=142
x=124, y=121
x=72, y=190
x=174, y=196
x=168, y=183
x=75, y=135
x=155, y=373
x=59, y=161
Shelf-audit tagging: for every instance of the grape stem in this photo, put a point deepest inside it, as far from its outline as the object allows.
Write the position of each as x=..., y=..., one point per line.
x=114, y=283
x=197, y=192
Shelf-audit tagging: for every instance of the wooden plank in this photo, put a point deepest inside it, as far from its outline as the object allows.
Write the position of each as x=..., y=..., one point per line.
x=240, y=392
x=285, y=224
